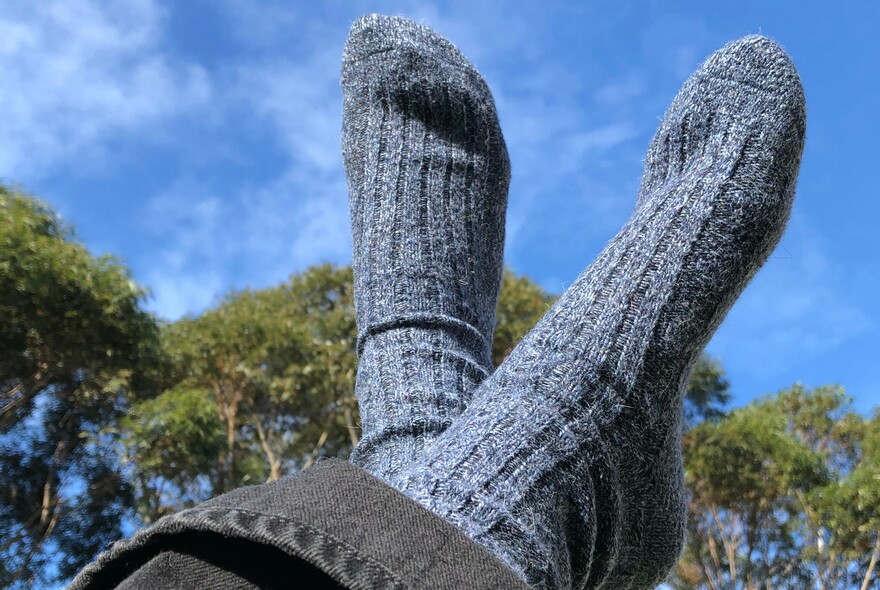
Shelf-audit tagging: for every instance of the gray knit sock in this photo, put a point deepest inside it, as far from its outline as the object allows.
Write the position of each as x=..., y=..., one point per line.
x=428, y=175
x=567, y=463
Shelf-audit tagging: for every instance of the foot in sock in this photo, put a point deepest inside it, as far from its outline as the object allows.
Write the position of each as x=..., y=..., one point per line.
x=567, y=462
x=428, y=174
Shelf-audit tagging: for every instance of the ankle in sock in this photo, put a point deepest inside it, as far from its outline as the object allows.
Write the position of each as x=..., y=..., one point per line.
x=428, y=174
x=567, y=462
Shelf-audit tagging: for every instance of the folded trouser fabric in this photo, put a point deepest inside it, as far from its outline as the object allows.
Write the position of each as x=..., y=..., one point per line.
x=330, y=526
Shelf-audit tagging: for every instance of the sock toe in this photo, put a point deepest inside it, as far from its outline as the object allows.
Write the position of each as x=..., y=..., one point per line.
x=407, y=67
x=377, y=33
x=759, y=91
x=753, y=60
x=746, y=92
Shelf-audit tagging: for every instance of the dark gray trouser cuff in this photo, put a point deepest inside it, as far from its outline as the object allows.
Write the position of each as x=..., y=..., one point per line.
x=334, y=517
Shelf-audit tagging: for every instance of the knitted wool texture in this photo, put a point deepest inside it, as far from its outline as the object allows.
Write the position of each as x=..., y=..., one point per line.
x=567, y=462
x=428, y=174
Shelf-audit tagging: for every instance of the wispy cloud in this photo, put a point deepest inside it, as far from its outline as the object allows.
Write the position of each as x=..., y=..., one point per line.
x=602, y=138
x=256, y=232
x=567, y=172
x=190, y=230
x=251, y=236
x=238, y=178
x=103, y=71
x=297, y=220
x=76, y=73
x=300, y=101
x=624, y=89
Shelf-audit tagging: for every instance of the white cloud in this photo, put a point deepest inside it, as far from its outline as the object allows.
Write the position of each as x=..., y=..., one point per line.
x=325, y=234
x=561, y=159
x=208, y=245
x=621, y=90
x=186, y=271
x=602, y=138
x=76, y=73
x=176, y=294
x=299, y=219
x=301, y=101
x=256, y=233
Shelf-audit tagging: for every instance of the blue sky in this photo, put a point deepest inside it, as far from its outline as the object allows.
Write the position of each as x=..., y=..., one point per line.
x=199, y=141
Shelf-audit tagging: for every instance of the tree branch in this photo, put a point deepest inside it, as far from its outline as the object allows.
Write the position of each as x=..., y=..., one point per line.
x=274, y=463
x=730, y=544
x=314, y=454
x=47, y=487
x=873, y=563
x=707, y=573
x=349, y=424
x=25, y=392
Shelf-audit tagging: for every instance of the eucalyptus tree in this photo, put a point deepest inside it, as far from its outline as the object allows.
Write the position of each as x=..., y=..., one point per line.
x=72, y=339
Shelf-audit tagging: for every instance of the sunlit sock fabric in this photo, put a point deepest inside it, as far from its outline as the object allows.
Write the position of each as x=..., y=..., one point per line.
x=567, y=462
x=428, y=174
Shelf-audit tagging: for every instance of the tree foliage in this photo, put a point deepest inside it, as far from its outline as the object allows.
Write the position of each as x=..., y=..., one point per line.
x=270, y=376
x=263, y=385
x=107, y=418
x=72, y=334
x=784, y=494
x=521, y=303
x=708, y=391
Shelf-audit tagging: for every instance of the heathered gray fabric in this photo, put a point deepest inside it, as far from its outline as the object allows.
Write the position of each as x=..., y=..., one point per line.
x=428, y=174
x=567, y=462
